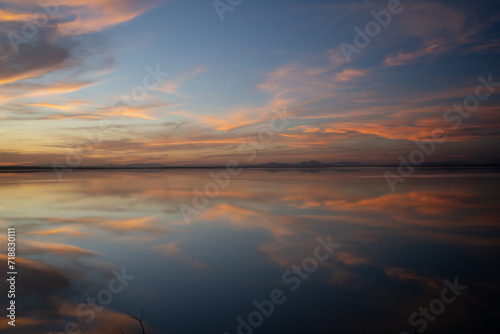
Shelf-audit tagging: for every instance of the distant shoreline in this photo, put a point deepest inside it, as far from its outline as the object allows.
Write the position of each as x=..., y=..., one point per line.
x=21, y=169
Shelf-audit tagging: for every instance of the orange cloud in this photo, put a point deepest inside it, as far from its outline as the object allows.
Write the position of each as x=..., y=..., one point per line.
x=68, y=230
x=171, y=86
x=83, y=16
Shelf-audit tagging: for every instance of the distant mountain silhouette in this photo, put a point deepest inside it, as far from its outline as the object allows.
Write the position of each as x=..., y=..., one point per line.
x=313, y=163
x=132, y=166
x=310, y=163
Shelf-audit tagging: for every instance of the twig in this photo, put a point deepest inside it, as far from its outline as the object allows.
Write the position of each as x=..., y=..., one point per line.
x=139, y=320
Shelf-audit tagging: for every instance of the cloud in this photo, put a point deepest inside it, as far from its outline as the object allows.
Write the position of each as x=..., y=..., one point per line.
x=67, y=230
x=79, y=16
x=31, y=90
x=96, y=15
x=49, y=50
x=144, y=110
x=432, y=36
x=39, y=58
x=172, y=250
x=172, y=86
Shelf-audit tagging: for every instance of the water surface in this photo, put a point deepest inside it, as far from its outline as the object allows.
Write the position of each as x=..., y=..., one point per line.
x=199, y=275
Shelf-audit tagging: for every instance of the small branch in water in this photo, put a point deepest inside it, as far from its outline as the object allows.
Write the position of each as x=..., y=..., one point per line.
x=139, y=320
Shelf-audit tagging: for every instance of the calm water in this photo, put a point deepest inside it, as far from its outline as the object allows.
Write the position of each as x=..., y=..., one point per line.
x=392, y=253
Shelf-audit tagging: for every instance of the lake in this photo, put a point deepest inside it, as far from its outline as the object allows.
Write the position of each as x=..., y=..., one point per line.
x=261, y=251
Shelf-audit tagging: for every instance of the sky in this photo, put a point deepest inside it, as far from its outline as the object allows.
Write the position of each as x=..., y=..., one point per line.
x=201, y=82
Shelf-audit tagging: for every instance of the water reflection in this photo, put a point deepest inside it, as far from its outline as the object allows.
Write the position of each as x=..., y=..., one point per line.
x=396, y=250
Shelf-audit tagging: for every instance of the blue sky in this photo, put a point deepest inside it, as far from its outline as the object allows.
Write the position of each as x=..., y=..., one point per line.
x=227, y=78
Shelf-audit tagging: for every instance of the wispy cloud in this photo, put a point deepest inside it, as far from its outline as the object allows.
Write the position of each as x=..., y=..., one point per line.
x=172, y=86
